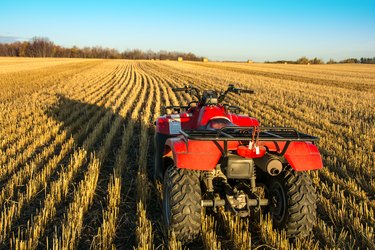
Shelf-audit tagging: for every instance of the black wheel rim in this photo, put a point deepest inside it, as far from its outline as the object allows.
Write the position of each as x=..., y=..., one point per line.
x=278, y=202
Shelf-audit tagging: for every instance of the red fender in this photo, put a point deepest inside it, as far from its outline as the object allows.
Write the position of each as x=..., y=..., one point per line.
x=205, y=155
x=301, y=156
x=196, y=155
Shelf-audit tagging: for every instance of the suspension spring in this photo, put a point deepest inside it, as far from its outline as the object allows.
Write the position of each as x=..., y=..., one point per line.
x=253, y=180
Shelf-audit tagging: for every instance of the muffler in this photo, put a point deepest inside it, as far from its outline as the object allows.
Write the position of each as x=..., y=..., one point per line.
x=270, y=164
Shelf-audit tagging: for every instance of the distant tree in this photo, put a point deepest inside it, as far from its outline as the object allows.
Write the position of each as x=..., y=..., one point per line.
x=43, y=47
x=137, y=54
x=74, y=52
x=23, y=48
x=303, y=60
x=331, y=61
x=316, y=61
x=40, y=47
x=282, y=62
x=367, y=60
x=3, y=50
x=87, y=52
x=150, y=54
x=61, y=52
x=350, y=60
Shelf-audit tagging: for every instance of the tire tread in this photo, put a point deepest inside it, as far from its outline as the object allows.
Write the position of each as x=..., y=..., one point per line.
x=302, y=204
x=185, y=199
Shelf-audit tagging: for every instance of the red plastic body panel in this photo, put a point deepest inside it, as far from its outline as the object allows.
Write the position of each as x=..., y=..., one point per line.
x=301, y=156
x=164, y=123
x=244, y=151
x=198, y=117
x=204, y=155
x=196, y=155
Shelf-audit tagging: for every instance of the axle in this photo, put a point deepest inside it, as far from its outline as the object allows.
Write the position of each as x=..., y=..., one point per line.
x=221, y=202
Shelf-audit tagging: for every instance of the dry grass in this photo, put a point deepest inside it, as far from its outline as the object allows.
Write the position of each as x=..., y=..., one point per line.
x=76, y=146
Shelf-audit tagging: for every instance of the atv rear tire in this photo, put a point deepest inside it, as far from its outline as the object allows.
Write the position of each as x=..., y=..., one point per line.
x=182, y=203
x=293, y=203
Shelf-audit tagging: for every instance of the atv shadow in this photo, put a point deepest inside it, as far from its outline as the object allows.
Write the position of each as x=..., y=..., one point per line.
x=89, y=124
x=80, y=121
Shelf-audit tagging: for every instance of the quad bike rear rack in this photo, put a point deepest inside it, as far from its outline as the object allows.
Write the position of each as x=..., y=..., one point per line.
x=249, y=133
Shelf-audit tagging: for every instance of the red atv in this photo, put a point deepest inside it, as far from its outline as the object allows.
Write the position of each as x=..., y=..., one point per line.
x=208, y=155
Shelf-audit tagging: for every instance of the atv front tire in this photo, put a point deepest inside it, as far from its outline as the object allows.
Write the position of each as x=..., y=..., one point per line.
x=293, y=203
x=182, y=203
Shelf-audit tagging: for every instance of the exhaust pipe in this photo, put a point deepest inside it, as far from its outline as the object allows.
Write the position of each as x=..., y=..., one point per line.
x=269, y=164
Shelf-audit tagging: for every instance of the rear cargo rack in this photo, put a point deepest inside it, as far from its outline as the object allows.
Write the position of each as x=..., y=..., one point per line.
x=242, y=133
x=238, y=133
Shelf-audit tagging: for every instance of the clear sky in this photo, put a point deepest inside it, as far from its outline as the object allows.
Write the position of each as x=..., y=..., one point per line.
x=219, y=30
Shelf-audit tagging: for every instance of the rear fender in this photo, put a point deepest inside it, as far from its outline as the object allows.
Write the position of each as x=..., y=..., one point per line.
x=195, y=155
x=301, y=156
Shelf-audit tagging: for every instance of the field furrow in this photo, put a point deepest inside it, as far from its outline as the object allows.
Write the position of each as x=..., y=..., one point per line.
x=77, y=153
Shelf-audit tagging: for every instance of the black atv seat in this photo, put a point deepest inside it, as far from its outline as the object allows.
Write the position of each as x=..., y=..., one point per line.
x=218, y=123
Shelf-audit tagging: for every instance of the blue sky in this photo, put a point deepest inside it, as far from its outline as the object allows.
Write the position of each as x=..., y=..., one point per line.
x=220, y=30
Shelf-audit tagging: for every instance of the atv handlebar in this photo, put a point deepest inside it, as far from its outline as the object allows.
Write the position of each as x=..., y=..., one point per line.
x=194, y=91
x=247, y=91
x=239, y=91
x=189, y=89
x=178, y=89
x=235, y=90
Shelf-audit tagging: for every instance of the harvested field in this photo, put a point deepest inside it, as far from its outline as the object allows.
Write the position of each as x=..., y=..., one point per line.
x=76, y=146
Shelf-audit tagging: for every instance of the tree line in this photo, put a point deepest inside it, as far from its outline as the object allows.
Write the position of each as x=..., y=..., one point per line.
x=43, y=47
x=305, y=60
